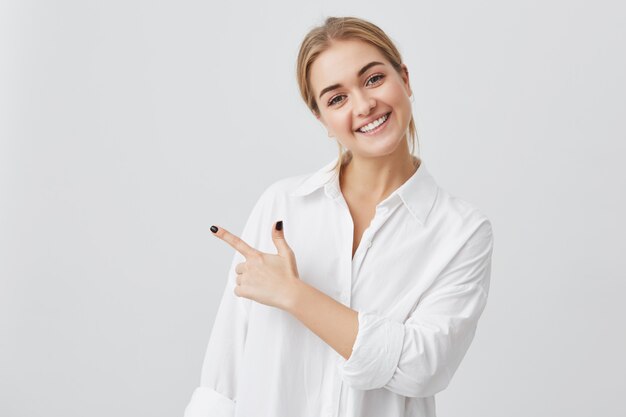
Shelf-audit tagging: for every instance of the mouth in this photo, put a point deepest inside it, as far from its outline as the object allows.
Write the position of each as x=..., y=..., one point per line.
x=375, y=126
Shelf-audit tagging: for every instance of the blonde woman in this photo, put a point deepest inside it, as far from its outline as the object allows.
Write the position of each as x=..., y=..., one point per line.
x=355, y=290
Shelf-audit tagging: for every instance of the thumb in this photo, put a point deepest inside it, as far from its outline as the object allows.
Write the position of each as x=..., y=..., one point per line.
x=278, y=236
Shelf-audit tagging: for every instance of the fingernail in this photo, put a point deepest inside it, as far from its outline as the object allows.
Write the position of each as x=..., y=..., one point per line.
x=279, y=225
x=214, y=229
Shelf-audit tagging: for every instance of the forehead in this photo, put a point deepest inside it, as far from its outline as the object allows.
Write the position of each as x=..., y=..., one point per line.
x=341, y=62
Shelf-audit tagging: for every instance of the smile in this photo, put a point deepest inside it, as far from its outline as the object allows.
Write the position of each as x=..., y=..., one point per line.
x=376, y=126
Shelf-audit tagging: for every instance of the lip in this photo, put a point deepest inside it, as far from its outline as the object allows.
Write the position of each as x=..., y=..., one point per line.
x=371, y=119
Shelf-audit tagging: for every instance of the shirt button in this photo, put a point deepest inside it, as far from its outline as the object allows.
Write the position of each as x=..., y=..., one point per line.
x=369, y=244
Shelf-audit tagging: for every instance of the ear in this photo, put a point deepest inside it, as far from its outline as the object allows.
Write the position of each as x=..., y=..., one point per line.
x=319, y=117
x=405, y=78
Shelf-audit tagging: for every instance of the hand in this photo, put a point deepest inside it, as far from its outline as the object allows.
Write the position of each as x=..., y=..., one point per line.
x=265, y=278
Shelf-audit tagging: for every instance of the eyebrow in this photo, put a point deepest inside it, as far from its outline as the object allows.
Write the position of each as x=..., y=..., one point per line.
x=361, y=71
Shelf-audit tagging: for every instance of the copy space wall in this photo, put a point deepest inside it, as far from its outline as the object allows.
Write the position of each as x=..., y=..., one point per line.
x=128, y=127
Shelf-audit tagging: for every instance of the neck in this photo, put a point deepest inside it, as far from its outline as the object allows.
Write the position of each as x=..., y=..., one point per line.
x=373, y=179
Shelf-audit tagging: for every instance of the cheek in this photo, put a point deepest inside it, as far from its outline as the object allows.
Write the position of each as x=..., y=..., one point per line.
x=399, y=99
x=397, y=94
x=340, y=120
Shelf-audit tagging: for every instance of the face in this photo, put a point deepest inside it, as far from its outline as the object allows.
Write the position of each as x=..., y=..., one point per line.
x=363, y=102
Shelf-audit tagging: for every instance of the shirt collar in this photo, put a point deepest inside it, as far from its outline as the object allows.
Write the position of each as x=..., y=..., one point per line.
x=418, y=193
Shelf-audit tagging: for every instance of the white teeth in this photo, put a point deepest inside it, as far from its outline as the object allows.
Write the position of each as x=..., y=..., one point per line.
x=374, y=124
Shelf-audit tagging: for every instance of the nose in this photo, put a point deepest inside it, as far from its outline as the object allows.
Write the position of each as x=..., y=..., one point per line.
x=363, y=104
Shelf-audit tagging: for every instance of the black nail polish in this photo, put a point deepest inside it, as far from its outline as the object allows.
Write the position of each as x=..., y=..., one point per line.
x=214, y=229
x=279, y=225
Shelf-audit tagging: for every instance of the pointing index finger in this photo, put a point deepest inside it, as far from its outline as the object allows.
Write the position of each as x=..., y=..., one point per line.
x=237, y=243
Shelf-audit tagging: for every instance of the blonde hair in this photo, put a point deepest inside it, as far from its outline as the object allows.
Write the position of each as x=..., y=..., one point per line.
x=344, y=28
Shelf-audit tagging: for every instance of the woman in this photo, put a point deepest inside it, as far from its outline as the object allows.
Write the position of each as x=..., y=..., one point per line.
x=355, y=290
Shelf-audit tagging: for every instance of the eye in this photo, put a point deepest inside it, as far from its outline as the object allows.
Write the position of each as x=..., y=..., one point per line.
x=377, y=77
x=333, y=100
x=374, y=77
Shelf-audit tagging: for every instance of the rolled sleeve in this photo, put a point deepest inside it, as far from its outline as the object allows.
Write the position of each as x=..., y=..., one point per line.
x=375, y=353
x=436, y=342
x=207, y=402
x=417, y=358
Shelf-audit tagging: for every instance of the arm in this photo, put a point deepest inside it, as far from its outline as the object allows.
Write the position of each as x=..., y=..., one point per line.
x=416, y=358
x=215, y=397
x=335, y=323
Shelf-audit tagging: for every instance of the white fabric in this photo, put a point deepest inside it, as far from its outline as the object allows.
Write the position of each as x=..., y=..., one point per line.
x=207, y=402
x=419, y=281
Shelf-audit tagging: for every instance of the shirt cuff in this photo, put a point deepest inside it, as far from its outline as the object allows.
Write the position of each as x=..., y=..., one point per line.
x=206, y=402
x=375, y=354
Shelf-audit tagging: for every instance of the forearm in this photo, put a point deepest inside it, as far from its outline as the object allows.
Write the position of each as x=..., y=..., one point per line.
x=335, y=323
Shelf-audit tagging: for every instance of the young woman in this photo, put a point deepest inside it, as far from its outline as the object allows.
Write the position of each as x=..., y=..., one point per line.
x=354, y=291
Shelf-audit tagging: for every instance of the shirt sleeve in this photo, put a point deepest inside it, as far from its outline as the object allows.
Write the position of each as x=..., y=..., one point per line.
x=216, y=395
x=418, y=358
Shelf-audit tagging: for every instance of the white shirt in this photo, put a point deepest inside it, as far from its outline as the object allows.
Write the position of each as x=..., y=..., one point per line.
x=419, y=281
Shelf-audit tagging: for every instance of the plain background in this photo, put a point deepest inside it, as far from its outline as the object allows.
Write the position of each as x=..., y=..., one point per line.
x=129, y=127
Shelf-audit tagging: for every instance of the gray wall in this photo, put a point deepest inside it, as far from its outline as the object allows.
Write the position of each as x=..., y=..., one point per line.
x=128, y=127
